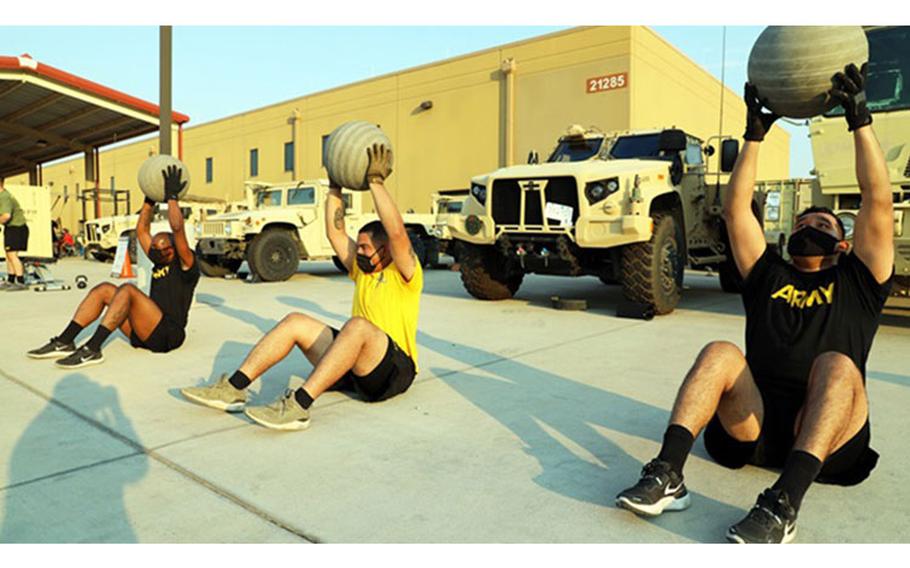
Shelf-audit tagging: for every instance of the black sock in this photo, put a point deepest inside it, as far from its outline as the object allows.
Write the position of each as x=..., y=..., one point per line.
x=10, y=277
x=70, y=333
x=303, y=398
x=97, y=340
x=677, y=445
x=799, y=472
x=20, y=279
x=239, y=380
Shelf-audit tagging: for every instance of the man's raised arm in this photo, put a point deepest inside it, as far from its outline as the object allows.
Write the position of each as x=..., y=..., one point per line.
x=144, y=224
x=747, y=240
x=400, y=244
x=342, y=244
x=873, y=232
x=173, y=185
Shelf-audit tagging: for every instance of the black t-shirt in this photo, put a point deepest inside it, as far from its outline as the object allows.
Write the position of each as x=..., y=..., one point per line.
x=172, y=289
x=792, y=317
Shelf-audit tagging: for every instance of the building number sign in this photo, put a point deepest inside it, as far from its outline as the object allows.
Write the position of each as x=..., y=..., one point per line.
x=607, y=83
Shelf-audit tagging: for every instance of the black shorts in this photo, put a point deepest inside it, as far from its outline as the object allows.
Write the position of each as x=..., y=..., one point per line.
x=15, y=238
x=392, y=376
x=166, y=336
x=849, y=465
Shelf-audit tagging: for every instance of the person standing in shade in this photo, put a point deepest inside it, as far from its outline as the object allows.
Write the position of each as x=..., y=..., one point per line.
x=797, y=398
x=375, y=352
x=15, y=239
x=156, y=322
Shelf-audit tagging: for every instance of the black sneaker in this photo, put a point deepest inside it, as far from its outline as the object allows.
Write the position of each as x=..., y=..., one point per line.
x=53, y=348
x=82, y=357
x=659, y=489
x=771, y=521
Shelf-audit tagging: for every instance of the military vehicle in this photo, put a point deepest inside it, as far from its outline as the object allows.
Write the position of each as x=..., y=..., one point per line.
x=100, y=236
x=445, y=204
x=834, y=184
x=285, y=223
x=632, y=208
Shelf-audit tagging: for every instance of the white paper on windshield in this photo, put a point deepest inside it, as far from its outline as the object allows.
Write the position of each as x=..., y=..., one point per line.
x=559, y=212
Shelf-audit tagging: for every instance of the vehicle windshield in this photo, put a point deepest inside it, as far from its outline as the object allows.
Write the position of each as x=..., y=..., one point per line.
x=576, y=150
x=269, y=198
x=642, y=146
x=888, y=73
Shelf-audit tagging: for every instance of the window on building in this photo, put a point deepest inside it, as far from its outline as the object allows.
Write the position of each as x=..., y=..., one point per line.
x=325, y=140
x=254, y=162
x=209, y=174
x=112, y=183
x=302, y=196
x=288, y=156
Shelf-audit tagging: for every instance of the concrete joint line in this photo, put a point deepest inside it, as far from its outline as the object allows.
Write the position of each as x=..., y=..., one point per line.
x=140, y=449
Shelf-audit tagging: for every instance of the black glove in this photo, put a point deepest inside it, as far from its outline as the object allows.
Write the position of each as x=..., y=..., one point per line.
x=172, y=184
x=758, y=122
x=849, y=91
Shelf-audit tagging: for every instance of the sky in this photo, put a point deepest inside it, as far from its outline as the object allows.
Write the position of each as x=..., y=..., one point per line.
x=224, y=70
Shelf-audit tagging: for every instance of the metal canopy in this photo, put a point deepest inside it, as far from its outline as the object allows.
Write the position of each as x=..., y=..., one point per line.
x=46, y=114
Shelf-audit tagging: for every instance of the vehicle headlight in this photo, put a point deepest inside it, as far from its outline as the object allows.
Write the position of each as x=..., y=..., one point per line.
x=849, y=220
x=599, y=190
x=227, y=229
x=198, y=230
x=479, y=192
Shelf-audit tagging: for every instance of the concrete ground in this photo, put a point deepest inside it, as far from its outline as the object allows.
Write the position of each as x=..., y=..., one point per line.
x=522, y=426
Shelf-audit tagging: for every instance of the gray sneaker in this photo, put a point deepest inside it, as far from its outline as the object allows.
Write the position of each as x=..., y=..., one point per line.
x=283, y=414
x=222, y=395
x=15, y=287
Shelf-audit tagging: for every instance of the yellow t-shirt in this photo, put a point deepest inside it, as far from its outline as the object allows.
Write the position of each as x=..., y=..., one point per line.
x=390, y=303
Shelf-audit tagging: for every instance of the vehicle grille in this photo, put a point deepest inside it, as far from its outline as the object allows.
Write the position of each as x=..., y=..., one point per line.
x=213, y=229
x=907, y=169
x=506, y=200
x=91, y=233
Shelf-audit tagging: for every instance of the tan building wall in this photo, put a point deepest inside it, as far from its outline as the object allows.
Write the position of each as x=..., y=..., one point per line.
x=467, y=130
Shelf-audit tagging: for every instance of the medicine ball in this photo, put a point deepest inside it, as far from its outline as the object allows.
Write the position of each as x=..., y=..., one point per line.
x=151, y=181
x=346, y=157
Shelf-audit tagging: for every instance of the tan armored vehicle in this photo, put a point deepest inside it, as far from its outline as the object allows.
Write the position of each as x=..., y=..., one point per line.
x=285, y=223
x=100, y=236
x=632, y=208
x=835, y=186
x=445, y=205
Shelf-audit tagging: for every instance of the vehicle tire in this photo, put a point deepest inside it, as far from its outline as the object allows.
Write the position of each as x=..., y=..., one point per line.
x=431, y=246
x=652, y=272
x=339, y=265
x=486, y=275
x=215, y=267
x=102, y=255
x=420, y=249
x=274, y=255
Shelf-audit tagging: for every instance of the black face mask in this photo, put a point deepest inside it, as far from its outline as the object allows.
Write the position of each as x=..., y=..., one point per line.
x=365, y=263
x=810, y=241
x=156, y=256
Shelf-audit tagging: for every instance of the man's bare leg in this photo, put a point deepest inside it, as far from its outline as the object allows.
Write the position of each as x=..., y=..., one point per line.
x=719, y=382
x=128, y=308
x=835, y=411
x=360, y=347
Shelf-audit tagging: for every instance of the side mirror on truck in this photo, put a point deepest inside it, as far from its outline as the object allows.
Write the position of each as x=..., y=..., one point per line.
x=729, y=150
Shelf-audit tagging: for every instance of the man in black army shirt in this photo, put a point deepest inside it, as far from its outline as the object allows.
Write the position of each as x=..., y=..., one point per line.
x=797, y=398
x=155, y=322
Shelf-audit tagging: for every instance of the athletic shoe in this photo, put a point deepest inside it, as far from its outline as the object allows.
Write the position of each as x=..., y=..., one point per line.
x=659, y=489
x=82, y=357
x=16, y=287
x=222, y=395
x=283, y=414
x=771, y=521
x=53, y=348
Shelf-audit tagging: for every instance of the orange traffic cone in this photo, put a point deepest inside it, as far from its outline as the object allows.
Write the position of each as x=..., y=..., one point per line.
x=127, y=270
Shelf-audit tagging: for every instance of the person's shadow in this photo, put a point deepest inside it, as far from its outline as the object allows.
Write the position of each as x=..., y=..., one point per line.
x=47, y=499
x=540, y=407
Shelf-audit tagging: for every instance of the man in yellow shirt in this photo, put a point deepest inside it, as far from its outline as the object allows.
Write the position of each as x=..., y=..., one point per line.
x=375, y=352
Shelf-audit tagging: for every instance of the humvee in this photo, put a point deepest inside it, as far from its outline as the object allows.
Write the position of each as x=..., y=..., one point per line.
x=632, y=208
x=285, y=223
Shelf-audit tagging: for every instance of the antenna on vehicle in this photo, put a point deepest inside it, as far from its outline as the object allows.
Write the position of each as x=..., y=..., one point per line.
x=720, y=127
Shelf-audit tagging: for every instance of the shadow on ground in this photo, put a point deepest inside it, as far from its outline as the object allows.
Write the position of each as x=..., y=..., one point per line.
x=67, y=504
x=540, y=407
